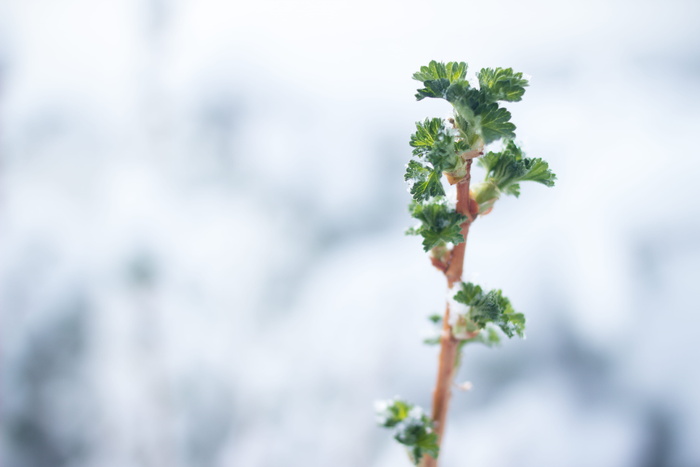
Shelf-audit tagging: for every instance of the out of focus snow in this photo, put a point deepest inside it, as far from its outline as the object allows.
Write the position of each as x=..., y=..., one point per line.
x=201, y=216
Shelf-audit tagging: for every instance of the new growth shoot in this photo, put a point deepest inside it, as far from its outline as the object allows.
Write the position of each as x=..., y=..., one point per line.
x=443, y=152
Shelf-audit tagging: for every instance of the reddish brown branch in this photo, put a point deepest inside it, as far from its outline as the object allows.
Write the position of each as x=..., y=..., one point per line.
x=454, y=271
x=441, y=265
x=446, y=367
x=449, y=345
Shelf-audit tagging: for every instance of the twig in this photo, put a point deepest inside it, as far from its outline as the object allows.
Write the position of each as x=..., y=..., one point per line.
x=449, y=345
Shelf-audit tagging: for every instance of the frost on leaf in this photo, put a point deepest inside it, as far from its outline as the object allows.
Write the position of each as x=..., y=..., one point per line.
x=495, y=123
x=437, y=77
x=490, y=308
x=412, y=427
x=502, y=84
x=436, y=151
x=505, y=170
x=440, y=223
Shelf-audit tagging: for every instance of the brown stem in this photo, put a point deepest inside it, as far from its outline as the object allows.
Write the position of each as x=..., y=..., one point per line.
x=439, y=264
x=449, y=345
x=454, y=270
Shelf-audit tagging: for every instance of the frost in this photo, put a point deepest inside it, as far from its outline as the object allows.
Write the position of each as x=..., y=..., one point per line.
x=451, y=197
x=465, y=386
x=381, y=405
x=412, y=421
x=473, y=79
x=456, y=309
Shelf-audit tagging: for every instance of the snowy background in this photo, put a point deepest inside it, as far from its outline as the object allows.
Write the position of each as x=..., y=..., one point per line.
x=201, y=252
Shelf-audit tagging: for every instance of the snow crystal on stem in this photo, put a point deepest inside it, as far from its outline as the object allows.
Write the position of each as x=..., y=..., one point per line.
x=456, y=309
x=451, y=197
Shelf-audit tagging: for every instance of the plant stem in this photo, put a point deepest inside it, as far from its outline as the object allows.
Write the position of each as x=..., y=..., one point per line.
x=449, y=345
x=454, y=270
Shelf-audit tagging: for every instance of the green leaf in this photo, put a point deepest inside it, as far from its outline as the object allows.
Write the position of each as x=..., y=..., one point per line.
x=433, y=88
x=443, y=154
x=390, y=413
x=424, y=182
x=490, y=308
x=495, y=123
x=437, y=77
x=537, y=170
x=502, y=84
x=469, y=294
x=427, y=444
x=452, y=71
x=412, y=428
x=513, y=189
x=481, y=115
x=432, y=239
x=435, y=144
x=426, y=134
x=412, y=431
x=440, y=223
x=416, y=432
x=507, y=168
x=466, y=100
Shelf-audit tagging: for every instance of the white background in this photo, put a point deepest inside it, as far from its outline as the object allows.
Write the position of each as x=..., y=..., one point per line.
x=201, y=251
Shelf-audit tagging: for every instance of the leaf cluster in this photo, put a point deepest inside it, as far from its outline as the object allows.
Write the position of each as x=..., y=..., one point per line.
x=440, y=223
x=437, y=78
x=490, y=308
x=505, y=170
x=436, y=151
x=503, y=84
x=412, y=428
x=479, y=116
x=508, y=168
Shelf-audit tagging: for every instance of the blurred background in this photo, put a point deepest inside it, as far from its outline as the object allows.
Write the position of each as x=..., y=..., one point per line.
x=202, y=207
